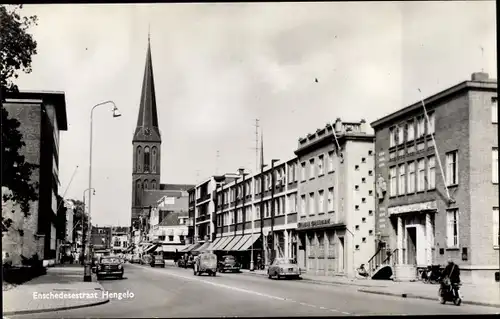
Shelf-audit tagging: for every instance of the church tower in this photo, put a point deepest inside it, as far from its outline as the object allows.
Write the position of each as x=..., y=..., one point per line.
x=146, y=142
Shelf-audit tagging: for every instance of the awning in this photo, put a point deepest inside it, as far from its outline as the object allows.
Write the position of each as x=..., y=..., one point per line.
x=172, y=248
x=249, y=242
x=151, y=248
x=130, y=248
x=203, y=247
x=241, y=242
x=223, y=242
x=232, y=243
x=214, y=243
x=190, y=248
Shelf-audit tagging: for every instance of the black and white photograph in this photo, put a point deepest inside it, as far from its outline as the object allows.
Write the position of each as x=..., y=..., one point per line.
x=249, y=159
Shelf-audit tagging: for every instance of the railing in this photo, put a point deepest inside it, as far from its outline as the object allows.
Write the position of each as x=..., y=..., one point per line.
x=372, y=262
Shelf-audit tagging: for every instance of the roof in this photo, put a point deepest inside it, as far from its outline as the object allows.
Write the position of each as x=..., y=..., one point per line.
x=171, y=219
x=148, y=113
x=58, y=98
x=151, y=197
x=176, y=187
x=489, y=84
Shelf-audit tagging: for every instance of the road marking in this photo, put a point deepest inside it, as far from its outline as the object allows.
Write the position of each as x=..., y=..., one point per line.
x=239, y=289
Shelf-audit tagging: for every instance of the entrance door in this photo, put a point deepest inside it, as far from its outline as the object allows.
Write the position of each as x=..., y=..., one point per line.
x=341, y=255
x=301, y=253
x=412, y=245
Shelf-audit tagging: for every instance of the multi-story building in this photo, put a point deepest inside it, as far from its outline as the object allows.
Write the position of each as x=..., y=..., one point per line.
x=336, y=195
x=42, y=115
x=437, y=181
x=119, y=240
x=101, y=238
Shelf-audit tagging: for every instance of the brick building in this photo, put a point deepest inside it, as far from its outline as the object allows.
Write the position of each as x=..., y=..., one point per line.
x=336, y=199
x=416, y=219
x=42, y=116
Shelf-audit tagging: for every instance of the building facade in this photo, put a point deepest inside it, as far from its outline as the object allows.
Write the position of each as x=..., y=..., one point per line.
x=42, y=116
x=101, y=238
x=336, y=199
x=437, y=181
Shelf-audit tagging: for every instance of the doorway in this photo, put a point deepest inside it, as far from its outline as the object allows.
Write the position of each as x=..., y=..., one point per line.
x=342, y=266
x=412, y=245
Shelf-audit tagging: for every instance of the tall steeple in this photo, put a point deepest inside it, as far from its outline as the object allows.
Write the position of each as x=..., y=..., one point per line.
x=147, y=120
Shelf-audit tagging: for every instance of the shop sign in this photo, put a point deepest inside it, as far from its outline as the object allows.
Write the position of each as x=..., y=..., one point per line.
x=426, y=206
x=314, y=223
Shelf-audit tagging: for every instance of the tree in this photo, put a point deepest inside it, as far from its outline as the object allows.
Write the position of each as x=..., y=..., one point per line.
x=80, y=218
x=16, y=49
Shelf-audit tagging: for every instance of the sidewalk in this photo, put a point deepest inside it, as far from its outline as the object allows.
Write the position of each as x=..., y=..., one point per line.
x=482, y=295
x=330, y=280
x=61, y=288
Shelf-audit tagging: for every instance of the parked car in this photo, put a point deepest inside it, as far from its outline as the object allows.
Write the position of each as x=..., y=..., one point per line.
x=109, y=266
x=205, y=263
x=228, y=263
x=282, y=267
x=157, y=261
x=135, y=259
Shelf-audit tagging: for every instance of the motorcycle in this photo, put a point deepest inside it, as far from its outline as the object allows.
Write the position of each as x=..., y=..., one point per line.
x=450, y=292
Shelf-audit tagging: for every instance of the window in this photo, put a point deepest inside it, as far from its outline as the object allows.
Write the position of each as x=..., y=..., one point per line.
x=411, y=177
x=249, y=214
x=392, y=136
x=393, y=181
x=420, y=126
x=311, y=168
x=145, y=185
x=181, y=237
x=494, y=110
x=421, y=175
x=303, y=171
x=302, y=204
x=330, y=199
x=257, y=211
x=311, y=204
x=410, y=131
x=146, y=159
x=494, y=168
x=431, y=123
x=170, y=238
x=452, y=229
x=231, y=217
x=292, y=203
x=495, y=227
x=321, y=204
x=401, y=135
x=161, y=238
x=153, y=163
x=452, y=168
x=431, y=172
x=321, y=161
x=239, y=216
x=138, y=158
x=330, y=161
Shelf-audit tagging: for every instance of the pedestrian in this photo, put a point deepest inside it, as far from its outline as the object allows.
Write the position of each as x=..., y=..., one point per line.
x=362, y=271
x=451, y=274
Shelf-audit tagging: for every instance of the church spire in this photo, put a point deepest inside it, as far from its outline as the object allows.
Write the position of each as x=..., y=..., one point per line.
x=147, y=121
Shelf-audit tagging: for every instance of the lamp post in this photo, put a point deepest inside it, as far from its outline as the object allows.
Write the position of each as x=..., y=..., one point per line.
x=273, y=251
x=85, y=235
x=88, y=270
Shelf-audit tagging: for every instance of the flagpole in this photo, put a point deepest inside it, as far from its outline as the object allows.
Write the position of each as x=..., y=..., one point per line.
x=435, y=147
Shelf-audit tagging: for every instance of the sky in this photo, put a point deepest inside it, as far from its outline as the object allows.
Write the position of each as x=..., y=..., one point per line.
x=220, y=66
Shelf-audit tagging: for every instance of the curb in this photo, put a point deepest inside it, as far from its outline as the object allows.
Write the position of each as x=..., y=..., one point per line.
x=25, y=312
x=410, y=296
x=330, y=283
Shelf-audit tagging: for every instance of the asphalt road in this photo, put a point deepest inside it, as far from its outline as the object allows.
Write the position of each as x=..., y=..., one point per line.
x=175, y=292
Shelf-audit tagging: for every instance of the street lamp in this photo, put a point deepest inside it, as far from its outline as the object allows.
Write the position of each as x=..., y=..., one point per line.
x=85, y=235
x=116, y=113
x=273, y=251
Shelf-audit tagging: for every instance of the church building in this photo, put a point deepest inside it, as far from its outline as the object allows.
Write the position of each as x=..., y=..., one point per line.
x=147, y=188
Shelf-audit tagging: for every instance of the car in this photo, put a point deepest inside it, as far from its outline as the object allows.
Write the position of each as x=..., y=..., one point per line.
x=228, y=263
x=109, y=266
x=283, y=268
x=157, y=261
x=146, y=259
x=135, y=259
x=205, y=263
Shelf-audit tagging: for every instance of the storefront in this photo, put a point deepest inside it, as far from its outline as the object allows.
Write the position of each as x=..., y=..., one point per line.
x=321, y=247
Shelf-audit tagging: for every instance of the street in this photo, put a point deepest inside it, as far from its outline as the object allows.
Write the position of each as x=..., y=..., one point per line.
x=176, y=292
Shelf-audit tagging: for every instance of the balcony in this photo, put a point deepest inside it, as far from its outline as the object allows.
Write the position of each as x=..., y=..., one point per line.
x=202, y=218
x=204, y=197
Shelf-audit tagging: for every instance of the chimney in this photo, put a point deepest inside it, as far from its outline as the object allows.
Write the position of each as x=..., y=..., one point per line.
x=338, y=125
x=362, y=126
x=479, y=76
x=241, y=171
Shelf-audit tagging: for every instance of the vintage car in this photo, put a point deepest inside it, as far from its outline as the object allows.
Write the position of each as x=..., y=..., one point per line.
x=228, y=263
x=282, y=268
x=109, y=266
x=135, y=259
x=205, y=263
x=157, y=261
